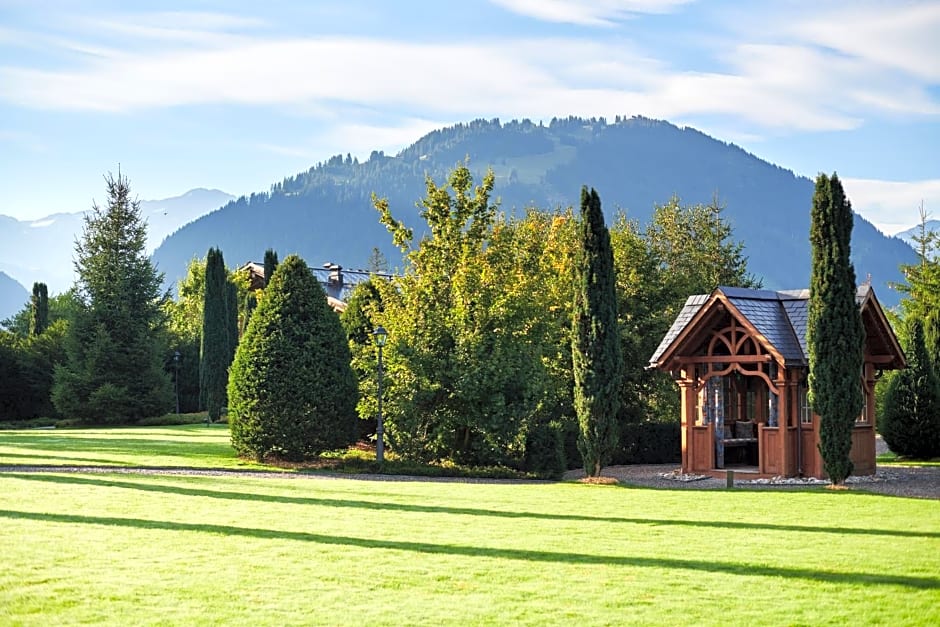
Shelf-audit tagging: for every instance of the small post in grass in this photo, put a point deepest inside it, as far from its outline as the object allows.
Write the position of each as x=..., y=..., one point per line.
x=176, y=379
x=729, y=478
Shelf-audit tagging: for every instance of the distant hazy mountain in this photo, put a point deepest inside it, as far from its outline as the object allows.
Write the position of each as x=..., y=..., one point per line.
x=914, y=231
x=325, y=213
x=42, y=250
x=13, y=296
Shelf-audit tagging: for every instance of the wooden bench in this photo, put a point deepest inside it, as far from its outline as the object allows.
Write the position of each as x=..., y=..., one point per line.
x=743, y=435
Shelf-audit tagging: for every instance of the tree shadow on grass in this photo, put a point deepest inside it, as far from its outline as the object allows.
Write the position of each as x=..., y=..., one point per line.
x=731, y=568
x=464, y=511
x=115, y=444
x=72, y=459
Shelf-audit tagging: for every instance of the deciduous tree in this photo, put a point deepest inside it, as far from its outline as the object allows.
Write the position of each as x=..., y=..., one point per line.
x=465, y=344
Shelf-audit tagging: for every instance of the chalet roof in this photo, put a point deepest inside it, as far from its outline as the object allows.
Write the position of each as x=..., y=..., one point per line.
x=779, y=316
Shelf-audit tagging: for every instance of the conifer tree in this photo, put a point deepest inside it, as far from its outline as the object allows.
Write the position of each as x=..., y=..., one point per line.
x=292, y=391
x=597, y=361
x=835, y=333
x=217, y=344
x=911, y=420
x=39, y=309
x=115, y=347
x=270, y=264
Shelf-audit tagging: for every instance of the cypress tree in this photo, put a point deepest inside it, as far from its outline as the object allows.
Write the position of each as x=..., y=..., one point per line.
x=835, y=332
x=39, y=309
x=251, y=302
x=270, y=265
x=911, y=420
x=231, y=321
x=597, y=361
x=292, y=391
x=217, y=347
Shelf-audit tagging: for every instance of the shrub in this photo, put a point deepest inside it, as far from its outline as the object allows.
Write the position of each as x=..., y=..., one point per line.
x=173, y=419
x=292, y=392
x=545, y=450
x=911, y=421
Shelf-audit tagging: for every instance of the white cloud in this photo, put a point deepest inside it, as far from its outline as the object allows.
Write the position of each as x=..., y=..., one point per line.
x=899, y=36
x=770, y=86
x=893, y=206
x=592, y=13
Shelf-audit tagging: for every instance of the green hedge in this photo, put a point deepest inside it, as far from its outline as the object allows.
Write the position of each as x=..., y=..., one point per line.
x=649, y=443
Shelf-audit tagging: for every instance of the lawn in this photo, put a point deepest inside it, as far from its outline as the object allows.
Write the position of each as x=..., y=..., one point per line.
x=190, y=446
x=186, y=550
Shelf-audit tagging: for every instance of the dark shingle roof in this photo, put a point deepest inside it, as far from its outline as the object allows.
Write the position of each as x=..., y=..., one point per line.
x=770, y=318
x=692, y=306
x=778, y=316
x=781, y=317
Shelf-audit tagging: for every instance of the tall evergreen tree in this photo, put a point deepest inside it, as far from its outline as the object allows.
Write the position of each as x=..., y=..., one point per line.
x=217, y=344
x=270, y=264
x=835, y=332
x=292, y=391
x=911, y=420
x=115, y=349
x=596, y=356
x=39, y=309
x=251, y=302
x=932, y=339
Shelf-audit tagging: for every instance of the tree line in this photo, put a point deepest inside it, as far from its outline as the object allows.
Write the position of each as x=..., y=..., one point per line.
x=515, y=340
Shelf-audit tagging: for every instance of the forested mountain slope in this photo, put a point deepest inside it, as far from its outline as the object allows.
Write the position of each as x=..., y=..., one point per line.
x=325, y=214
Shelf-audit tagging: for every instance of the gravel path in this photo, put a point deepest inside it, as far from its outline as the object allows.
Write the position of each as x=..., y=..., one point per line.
x=896, y=480
x=909, y=481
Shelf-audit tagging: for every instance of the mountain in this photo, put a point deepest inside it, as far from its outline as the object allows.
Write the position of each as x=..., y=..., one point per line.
x=325, y=213
x=909, y=235
x=13, y=296
x=42, y=250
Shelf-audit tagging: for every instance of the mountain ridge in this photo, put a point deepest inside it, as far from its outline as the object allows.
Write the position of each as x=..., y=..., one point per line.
x=13, y=296
x=55, y=235
x=325, y=213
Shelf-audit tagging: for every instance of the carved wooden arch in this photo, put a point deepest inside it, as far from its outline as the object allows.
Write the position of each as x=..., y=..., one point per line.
x=736, y=339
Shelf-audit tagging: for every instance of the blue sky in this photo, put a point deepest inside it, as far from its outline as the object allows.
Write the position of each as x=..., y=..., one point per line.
x=237, y=95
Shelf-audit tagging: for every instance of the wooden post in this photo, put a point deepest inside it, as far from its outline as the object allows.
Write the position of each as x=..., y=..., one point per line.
x=687, y=398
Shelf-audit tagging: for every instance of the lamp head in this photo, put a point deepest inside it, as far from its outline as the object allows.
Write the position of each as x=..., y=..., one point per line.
x=381, y=335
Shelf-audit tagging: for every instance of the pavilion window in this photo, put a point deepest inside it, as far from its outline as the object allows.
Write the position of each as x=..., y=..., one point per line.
x=806, y=412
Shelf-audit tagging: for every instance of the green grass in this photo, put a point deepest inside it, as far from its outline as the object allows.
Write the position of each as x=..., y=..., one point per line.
x=191, y=446
x=891, y=459
x=205, y=550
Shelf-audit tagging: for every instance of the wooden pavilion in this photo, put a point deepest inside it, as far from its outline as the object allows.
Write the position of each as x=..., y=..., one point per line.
x=740, y=359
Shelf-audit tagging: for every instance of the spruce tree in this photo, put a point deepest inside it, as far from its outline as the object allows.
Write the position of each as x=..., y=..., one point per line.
x=115, y=346
x=835, y=332
x=39, y=309
x=597, y=361
x=910, y=424
x=270, y=265
x=932, y=339
x=217, y=343
x=292, y=391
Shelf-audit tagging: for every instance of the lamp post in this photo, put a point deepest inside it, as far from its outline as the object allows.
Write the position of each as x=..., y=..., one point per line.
x=176, y=380
x=381, y=335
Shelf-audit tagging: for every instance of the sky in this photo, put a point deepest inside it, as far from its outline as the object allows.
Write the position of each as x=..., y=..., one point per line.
x=236, y=95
